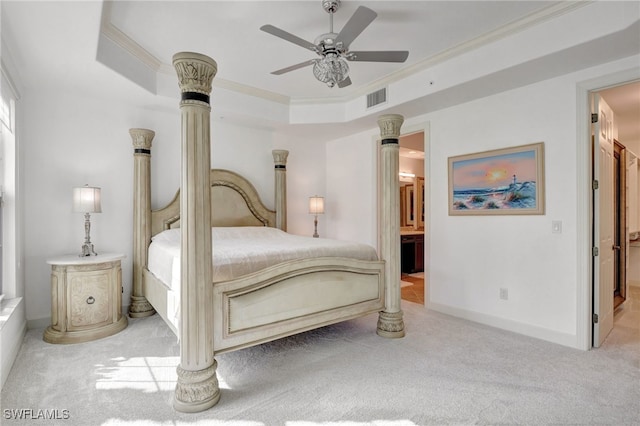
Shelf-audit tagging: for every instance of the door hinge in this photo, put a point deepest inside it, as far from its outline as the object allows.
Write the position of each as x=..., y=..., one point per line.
x=594, y=118
x=595, y=318
x=595, y=184
x=595, y=251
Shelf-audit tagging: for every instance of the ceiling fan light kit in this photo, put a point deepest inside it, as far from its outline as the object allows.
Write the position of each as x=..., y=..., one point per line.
x=332, y=69
x=333, y=48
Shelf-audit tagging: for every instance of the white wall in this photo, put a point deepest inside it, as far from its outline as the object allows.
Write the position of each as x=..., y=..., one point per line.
x=305, y=178
x=472, y=257
x=493, y=252
x=412, y=165
x=351, y=178
x=73, y=139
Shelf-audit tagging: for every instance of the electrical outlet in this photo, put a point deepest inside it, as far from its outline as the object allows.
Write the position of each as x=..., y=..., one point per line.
x=504, y=294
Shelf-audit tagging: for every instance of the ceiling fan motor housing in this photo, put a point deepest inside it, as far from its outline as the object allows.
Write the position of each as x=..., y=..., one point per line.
x=330, y=6
x=326, y=43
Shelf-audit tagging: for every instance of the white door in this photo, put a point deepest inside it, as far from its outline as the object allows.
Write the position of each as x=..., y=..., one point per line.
x=603, y=200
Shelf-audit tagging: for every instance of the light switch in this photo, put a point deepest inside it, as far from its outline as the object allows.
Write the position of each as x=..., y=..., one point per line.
x=556, y=227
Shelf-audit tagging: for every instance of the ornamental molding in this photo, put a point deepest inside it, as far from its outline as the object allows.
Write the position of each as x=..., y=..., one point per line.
x=390, y=125
x=195, y=71
x=142, y=138
x=280, y=156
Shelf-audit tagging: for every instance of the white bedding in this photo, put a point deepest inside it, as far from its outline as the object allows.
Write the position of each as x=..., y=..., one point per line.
x=239, y=251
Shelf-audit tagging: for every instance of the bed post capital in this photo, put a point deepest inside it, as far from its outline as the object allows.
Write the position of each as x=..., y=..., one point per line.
x=195, y=73
x=390, y=126
x=142, y=140
x=280, y=157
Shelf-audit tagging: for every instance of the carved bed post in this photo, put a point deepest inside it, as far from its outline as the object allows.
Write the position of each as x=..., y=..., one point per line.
x=139, y=306
x=390, y=322
x=280, y=160
x=197, y=388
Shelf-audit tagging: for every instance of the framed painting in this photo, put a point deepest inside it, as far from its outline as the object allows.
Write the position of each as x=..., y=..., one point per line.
x=507, y=181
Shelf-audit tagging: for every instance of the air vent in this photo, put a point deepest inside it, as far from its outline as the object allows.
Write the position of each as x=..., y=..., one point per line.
x=376, y=98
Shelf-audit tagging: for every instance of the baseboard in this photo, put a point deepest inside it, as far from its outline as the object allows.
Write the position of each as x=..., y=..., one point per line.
x=38, y=323
x=634, y=283
x=509, y=325
x=13, y=327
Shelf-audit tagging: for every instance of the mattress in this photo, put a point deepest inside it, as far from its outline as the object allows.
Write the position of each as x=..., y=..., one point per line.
x=238, y=251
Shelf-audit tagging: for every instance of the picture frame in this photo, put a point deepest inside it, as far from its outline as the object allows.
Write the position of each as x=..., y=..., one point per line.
x=508, y=181
x=409, y=205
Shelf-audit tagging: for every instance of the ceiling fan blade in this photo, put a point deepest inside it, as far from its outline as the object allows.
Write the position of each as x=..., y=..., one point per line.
x=344, y=83
x=360, y=19
x=288, y=36
x=294, y=67
x=378, y=56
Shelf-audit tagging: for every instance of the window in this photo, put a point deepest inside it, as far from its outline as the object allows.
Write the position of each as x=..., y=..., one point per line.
x=8, y=206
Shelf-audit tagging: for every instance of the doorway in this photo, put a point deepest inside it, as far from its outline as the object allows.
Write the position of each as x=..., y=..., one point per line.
x=614, y=117
x=412, y=216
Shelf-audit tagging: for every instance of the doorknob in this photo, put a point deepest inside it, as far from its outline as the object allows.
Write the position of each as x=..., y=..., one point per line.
x=615, y=248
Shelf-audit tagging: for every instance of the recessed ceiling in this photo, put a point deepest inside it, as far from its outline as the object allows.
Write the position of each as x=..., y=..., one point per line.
x=57, y=44
x=229, y=32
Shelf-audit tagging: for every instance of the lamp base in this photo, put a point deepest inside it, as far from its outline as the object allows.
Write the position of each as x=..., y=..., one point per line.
x=87, y=250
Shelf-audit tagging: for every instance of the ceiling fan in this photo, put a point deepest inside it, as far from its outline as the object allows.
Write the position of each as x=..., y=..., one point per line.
x=333, y=48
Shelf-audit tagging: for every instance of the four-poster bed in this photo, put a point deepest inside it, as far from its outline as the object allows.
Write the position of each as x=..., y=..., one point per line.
x=212, y=311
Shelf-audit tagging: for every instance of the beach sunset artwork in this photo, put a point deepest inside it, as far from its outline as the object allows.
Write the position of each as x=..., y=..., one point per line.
x=505, y=181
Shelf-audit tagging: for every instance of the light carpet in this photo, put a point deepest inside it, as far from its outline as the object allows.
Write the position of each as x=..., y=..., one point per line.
x=446, y=371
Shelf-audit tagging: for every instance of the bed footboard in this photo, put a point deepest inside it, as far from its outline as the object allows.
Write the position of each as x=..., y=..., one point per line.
x=293, y=297
x=165, y=301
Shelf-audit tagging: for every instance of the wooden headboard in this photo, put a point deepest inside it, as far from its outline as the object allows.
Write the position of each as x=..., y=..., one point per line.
x=234, y=202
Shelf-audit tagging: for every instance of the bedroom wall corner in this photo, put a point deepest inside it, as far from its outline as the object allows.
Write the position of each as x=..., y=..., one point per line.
x=306, y=166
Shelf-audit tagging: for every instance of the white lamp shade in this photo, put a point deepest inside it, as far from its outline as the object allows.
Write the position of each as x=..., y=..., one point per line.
x=316, y=205
x=86, y=199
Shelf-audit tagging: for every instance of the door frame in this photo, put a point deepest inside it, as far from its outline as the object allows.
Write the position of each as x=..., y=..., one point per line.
x=584, y=233
x=621, y=225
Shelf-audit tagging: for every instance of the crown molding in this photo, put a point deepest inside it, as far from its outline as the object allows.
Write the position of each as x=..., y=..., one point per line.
x=535, y=18
x=124, y=41
x=132, y=47
x=235, y=87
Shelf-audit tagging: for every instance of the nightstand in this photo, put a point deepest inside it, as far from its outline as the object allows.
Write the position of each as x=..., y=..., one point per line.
x=86, y=298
